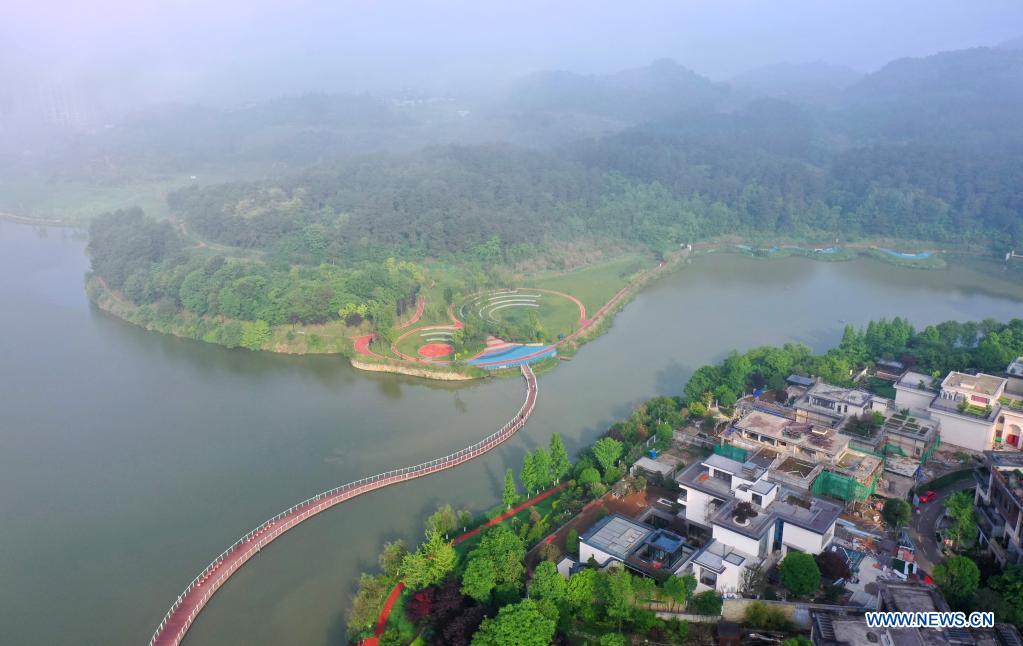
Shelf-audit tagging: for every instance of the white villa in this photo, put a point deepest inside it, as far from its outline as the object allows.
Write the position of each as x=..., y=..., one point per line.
x=710, y=494
x=977, y=412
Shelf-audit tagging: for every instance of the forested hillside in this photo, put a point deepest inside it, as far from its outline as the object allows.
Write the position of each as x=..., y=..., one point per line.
x=923, y=149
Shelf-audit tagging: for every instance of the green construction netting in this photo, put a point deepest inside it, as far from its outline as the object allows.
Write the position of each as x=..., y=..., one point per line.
x=930, y=451
x=734, y=452
x=842, y=487
x=892, y=449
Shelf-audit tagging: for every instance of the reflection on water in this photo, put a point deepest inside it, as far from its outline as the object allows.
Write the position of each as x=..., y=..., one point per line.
x=130, y=458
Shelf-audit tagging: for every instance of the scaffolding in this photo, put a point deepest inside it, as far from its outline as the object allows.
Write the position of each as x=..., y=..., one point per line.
x=736, y=453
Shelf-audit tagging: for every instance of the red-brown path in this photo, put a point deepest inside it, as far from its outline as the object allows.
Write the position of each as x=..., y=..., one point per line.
x=198, y=593
x=385, y=611
x=418, y=314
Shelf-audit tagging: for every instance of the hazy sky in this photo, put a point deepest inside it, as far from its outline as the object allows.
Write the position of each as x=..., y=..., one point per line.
x=235, y=49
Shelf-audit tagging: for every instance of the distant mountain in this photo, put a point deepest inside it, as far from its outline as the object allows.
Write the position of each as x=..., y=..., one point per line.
x=817, y=82
x=658, y=90
x=1012, y=43
x=972, y=96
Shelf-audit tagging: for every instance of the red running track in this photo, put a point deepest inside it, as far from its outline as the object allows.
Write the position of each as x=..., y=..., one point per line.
x=190, y=603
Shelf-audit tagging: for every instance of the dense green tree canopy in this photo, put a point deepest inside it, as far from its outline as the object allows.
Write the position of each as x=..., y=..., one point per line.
x=800, y=574
x=526, y=623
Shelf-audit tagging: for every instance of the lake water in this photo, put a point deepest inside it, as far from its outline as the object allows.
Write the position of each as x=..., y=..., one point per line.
x=129, y=459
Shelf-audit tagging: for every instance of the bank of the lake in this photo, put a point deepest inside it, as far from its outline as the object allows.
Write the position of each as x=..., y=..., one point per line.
x=131, y=459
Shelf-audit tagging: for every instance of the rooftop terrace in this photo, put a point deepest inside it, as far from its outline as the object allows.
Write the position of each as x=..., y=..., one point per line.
x=980, y=384
x=783, y=431
x=907, y=425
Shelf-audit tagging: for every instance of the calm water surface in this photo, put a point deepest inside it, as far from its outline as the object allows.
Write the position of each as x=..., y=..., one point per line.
x=129, y=459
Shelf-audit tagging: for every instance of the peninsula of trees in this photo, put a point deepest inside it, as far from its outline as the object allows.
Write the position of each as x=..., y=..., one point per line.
x=350, y=235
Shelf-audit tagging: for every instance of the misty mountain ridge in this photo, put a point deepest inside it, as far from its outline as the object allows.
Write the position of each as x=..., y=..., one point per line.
x=1012, y=43
x=817, y=82
x=971, y=97
x=653, y=91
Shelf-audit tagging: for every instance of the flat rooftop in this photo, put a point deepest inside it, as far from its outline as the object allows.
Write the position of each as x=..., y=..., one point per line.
x=1016, y=367
x=911, y=597
x=762, y=422
x=818, y=517
x=716, y=554
x=783, y=429
x=1005, y=459
x=617, y=535
x=747, y=470
x=852, y=396
x=654, y=466
x=982, y=384
x=914, y=379
x=908, y=426
x=696, y=476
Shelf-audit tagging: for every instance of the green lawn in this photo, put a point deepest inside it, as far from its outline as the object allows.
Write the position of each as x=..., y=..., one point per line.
x=77, y=202
x=596, y=284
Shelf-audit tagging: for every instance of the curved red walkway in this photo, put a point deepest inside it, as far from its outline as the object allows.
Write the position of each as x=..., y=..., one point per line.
x=418, y=314
x=190, y=603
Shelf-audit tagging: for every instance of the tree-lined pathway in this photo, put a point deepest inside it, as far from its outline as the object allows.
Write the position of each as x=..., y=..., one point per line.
x=190, y=603
x=385, y=611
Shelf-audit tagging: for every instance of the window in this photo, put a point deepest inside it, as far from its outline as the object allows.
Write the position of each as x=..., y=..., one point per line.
x=708, y=578
x=758, y=500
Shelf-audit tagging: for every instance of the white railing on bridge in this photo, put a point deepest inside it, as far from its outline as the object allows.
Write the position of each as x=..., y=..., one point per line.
x=360, y=486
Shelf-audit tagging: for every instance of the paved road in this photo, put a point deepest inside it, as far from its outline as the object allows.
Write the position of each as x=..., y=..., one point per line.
x=922, y=529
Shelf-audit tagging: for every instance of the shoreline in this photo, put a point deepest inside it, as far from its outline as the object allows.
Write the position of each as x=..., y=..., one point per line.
x=601, y=321
x=42, y=222
x=412, y=371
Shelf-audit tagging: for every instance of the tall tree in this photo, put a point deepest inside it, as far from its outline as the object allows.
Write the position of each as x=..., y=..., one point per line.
x=542, y=466
x=391, y=557
x=443, y=521
x=495, y=562
x=679, y=589
x=896, y=512
x=560, y=464
x=618, y=595
x=963, y=530
x=607, y=450
x=511, y=491
x=547, y=583
x=530, y=474
x=430, y=564
x=958, y=577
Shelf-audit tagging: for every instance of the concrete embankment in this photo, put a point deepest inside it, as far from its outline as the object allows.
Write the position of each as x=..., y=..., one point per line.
x=411, y=371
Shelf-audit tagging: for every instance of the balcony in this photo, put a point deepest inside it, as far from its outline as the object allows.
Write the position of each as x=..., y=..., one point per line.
x=999, y=551
x=990, y=522
x=983, y=478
